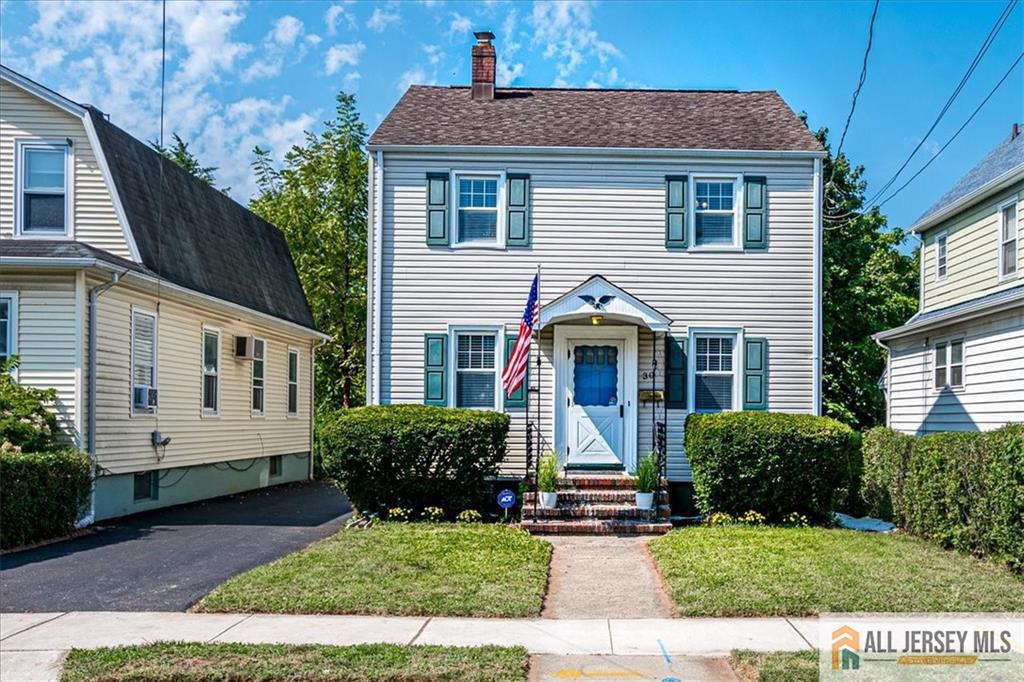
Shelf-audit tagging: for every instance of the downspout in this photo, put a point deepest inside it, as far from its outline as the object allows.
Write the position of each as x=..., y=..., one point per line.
x=817, y=287
x=90, y=447
x=378, y=276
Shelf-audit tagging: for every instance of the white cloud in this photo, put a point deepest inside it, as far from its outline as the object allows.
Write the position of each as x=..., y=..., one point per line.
x=336, y=14
x=434, y=54
x=460, y=26
x=278, y=45
x=382, y=18
x=564, y=29
x=414, y=76
x=287, y=29
x=342, y=54
x=508, y=70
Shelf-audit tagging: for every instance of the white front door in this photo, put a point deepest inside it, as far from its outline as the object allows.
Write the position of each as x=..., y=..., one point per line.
x=595, y=402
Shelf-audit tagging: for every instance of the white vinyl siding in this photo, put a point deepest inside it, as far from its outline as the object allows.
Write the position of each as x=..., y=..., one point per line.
x=26, y=118
x=211, y=371
x=144, y=355
x=596, y=214
x=993, y=378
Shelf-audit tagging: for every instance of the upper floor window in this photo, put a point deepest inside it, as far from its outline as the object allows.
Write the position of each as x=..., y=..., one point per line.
x=940, y=256
x=43, y=201
x=8, y=326
x=949, y=365
x=477, y=209
x=144, y=347
x=293, y=382
x=211, y=371
x=1008, y=239
x=714, y=373
x=476, y=369
x=714, y=212
x=259, y=347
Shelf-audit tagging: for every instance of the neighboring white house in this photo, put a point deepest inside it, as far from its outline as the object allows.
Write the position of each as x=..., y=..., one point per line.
x=169, y=319
x=692, y=215
x=958, y=364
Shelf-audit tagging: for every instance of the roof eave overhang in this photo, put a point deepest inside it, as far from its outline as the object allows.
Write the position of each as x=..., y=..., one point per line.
x=997, y=184
x=616, y=151
x=962, y=315
x=43, y=93
x=625, y=307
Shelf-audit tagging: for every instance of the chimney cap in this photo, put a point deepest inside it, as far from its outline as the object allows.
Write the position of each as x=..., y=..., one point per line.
x=483, y=36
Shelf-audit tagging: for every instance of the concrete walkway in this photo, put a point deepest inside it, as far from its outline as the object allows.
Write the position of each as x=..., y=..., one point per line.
x=33, y=644
x=603, y=577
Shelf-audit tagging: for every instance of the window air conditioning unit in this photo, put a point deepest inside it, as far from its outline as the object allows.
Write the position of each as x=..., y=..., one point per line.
x=145, y=397
x=245, y=348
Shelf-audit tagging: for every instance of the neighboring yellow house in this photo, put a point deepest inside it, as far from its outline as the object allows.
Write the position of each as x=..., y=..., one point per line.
x=958, y=364
x=170, y=319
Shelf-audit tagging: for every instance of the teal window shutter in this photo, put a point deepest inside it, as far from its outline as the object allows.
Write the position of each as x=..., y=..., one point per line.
x=437, y=208
x=675, y=372
x=518, y=223
x=518, y=397
x=755, y=373
x=676, y=229
x=755, y=213
x=435, y=374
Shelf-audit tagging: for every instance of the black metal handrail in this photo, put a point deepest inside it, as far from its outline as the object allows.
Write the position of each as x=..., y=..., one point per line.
x=532, y=462
x=661, y=450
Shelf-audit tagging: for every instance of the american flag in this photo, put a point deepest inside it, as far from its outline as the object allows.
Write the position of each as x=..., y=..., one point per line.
x=519, y=358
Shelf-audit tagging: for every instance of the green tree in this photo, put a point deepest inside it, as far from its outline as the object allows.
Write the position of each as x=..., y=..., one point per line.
x=180, y=154
x=24, y=420
x=868, y=286
x=318, y=200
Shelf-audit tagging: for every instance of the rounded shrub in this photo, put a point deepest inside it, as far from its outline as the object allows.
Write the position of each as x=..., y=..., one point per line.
x=44, y=493
x=772, y=463
x=413, y=456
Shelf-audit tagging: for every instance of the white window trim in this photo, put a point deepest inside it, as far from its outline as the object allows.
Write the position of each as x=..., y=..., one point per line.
x=12, y=324
x=947, y=342
x=1016, y=239
x=292, y=350
x=206, y=412
x=738, y=358
x=453, y=228
x=156, y=358
x=252, y=377
x=69, y=187
x=737, y=210
x=939, y=277
x=499, y=356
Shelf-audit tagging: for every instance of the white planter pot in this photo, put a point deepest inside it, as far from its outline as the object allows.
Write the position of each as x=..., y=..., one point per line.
x=548, y=500
x=644, y=500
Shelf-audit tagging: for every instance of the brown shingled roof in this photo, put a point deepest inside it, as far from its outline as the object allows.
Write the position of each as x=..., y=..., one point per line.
x=538, y=117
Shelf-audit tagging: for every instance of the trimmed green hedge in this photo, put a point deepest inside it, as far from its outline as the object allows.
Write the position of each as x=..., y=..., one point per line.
x=43, y=494
x=772, y=463
x=961, y=489
x=413, y=456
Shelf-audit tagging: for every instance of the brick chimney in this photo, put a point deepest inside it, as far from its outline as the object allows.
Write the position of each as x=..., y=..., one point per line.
x=483, y=66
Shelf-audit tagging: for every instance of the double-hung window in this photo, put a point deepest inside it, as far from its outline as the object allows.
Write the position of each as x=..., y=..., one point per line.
x=8, y=326
x=43, y=201
x=211, y=371
x=714, y=212
x=714, y=373
x=144, y=354
x=476, y=369
x=949, y=365
x=293, y=382
x=940, y=256
x=1008, y=239
x=259, y=347
x=477, y=209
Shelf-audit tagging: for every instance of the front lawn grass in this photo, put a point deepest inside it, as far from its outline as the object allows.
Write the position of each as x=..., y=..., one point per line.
x=186, y=662
x=767, y=571
x=775, y=666
x=419, y=569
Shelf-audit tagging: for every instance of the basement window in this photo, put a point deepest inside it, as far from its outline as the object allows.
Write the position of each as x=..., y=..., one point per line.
x=275, y=465
x=145, y=486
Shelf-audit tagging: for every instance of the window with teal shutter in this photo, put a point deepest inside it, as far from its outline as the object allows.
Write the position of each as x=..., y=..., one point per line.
x=675, y=372
x=518, y=209
x=755, y=373
x=675, y=212
x=755, y=220
x=435, y=375
x=437, y=208
x=518, y=397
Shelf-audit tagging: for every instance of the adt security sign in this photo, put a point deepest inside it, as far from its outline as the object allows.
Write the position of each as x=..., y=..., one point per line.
x=506, y=499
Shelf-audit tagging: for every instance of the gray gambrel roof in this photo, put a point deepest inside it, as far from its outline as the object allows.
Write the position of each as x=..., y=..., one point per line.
x=1002, y=160
x=596, y=118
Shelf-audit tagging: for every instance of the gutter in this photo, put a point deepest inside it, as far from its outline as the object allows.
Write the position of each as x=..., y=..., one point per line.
x=617, y=151
x=378, y=275
x=991, y=187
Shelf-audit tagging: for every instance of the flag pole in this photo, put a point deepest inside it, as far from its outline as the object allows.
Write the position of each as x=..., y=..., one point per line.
x=540, y=439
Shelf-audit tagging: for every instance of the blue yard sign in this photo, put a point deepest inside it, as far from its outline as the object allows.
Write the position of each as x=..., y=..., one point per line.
x=506, y=499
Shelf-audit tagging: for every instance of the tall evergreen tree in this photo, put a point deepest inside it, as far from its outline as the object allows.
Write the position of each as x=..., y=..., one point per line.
x=180, y=154
x=318, y=200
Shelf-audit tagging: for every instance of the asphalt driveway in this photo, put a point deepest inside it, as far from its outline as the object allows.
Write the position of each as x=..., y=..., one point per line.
x=167, y=559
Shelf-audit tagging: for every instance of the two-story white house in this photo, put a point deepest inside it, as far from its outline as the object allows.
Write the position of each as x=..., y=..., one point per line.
x=677, y=233
x=169, y=319
x=958, y=364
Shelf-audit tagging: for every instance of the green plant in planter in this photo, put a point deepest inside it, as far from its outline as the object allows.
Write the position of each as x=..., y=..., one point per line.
x=547, y=473
x=647, y=473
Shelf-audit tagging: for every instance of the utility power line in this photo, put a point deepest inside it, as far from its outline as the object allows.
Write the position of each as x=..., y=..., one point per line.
x=863, y=77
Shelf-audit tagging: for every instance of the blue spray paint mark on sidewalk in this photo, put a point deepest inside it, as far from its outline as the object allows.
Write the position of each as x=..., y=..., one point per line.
x=664, y=652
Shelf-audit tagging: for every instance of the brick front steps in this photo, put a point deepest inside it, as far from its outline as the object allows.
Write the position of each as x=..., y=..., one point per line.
x=596, y=504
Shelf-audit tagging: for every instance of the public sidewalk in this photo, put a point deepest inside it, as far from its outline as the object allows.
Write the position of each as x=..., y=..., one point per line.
x=32, y=645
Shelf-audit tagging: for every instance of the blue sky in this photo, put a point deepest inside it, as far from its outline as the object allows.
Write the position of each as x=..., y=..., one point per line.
x=241, y=74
